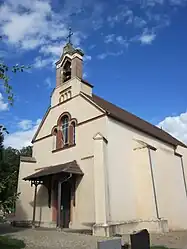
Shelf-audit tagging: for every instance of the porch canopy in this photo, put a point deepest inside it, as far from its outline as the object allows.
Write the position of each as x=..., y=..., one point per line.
x=70, y=167
x=69, y=170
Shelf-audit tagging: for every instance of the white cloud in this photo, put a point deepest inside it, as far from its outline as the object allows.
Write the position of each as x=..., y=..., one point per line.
x=178, y=2
x=48, y=82
x=53, y=49
x=3, y=105
x=34, y=24
x=22, y=137
x=25, y=124
x=104, y=55
x=87, y=58
x=124, y=14
x=147, y=38
x=85, y=75
x=23, y=20
x=122, y=41
x=176, y=126
x=40, y=62
x=92, y=46
x=112, y=38
x=109, y=38
x=139, y=22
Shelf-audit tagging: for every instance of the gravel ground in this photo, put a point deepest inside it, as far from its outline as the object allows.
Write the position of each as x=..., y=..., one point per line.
x=52, y=239
x=177, y=240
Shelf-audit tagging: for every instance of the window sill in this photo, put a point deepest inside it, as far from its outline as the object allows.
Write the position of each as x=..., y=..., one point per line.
x=64, y=148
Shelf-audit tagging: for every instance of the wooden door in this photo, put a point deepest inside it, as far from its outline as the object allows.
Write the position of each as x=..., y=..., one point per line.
x=65, y=204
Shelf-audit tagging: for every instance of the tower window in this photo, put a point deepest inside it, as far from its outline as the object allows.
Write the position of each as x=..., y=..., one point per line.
x=67, y=71
x=65, y=95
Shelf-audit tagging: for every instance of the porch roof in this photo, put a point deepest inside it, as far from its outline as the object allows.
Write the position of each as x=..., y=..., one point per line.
x=70, y=167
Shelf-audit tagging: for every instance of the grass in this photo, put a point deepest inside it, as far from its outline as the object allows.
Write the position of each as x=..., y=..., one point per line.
x=7, y=242
x=159, y=247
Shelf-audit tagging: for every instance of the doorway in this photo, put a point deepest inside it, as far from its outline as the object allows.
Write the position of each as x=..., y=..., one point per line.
x=65, y=204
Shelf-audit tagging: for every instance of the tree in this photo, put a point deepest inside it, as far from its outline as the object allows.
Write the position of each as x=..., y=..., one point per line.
x=7, y=193
x=9, y=158
x=4, y=69
x=26, y=151
x=4, y=78
x=9, y=170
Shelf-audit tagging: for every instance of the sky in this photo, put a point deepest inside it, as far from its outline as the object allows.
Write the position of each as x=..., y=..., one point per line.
x=135, y=56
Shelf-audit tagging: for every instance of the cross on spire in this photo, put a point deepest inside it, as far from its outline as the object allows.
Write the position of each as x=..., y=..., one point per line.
x=69, y=35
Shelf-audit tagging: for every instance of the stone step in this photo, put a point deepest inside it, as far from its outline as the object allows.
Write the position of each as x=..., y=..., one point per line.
x=80, y=231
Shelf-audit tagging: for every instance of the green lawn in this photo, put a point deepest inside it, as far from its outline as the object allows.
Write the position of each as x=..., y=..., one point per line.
x=159, y=247
x=7, y=242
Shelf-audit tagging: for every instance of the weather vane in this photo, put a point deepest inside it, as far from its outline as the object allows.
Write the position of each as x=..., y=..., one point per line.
x=69, y=35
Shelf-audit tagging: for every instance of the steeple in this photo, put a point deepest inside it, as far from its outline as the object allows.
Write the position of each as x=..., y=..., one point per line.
x=70, y=64
x=69, y=75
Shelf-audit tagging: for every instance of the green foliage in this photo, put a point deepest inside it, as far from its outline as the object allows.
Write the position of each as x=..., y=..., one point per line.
x=9, y=158
x=7, y=242
x=9, y=168
x=159, y=247
x=4, y=69
x=26, y=151
x=4, y=78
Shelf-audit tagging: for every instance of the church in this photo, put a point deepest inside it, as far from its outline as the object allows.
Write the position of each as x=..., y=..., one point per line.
x=96, y=166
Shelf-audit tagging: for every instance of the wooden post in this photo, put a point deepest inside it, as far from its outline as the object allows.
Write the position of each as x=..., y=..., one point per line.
x=34, y=204
x=59, y=203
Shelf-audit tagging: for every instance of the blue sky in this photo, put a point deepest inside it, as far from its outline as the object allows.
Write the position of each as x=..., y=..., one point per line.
x=135, y=56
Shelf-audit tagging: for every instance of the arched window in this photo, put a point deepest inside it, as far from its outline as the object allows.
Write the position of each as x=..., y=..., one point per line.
x=65, y=130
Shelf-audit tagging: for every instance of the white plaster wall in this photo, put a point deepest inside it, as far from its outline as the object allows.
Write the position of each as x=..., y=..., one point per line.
x=76, y=87
x=120, y=177
x=143, y=184
x=86, y=89
x=125, y=201
x=24, y=205
x=170, y=188
x=83, y=212
x=79, y=108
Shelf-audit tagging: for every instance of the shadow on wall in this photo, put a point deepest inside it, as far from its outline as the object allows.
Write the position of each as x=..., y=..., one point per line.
x=41, y=202
x=20, y=211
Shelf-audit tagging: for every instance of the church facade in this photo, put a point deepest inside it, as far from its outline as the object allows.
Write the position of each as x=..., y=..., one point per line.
x=96, y=166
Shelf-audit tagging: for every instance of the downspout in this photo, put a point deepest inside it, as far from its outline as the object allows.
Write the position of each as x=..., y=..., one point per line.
x=153, y=183
x=182, y=165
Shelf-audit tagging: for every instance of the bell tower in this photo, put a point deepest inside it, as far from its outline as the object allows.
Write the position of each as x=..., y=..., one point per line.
x=70, y=64
x=69, y=75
